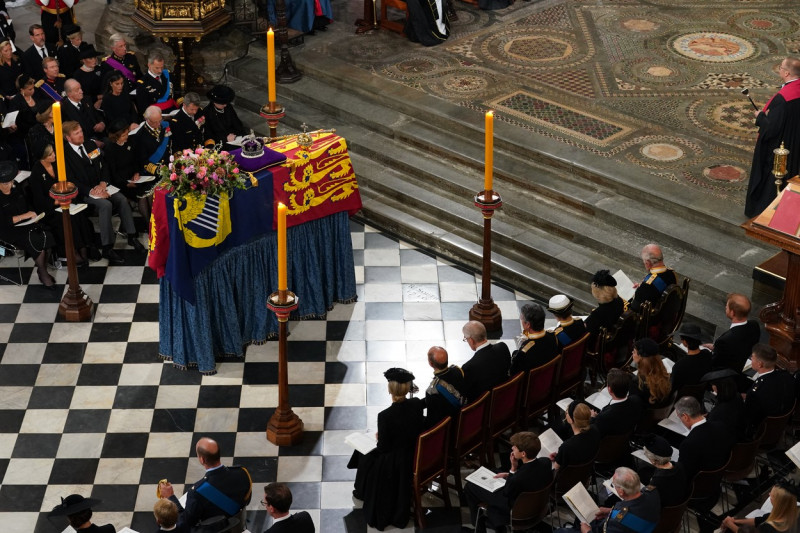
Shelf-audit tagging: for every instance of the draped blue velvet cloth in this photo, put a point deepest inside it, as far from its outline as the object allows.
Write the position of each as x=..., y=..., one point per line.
x=231, y=312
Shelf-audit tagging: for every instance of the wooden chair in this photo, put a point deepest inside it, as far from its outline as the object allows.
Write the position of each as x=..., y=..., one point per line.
x=774, y=427
x=663, y=318
x=671, y=518
x=503, y=409
x=568, y=476
x=705, y=485
x=8, y=253
x=530, y=508
x=615, y=345
x=652, y=416
x=430, y=464
x=537, y=397
x=468, y=436
x=740, y=465
x=611, y=450
x=393, y=25
x=572, y=371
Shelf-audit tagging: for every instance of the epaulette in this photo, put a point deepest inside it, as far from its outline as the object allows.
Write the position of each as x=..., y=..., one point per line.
x=139, y=81
x=209, y=142
x=38, y=83
x=60, y=75
x=528, y=345
x=106, y=58
x=129, y=53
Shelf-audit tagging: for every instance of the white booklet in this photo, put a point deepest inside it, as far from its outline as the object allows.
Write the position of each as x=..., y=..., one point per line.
x=484, y=478
x=10, y=119
x=793, y=453
x=30, y=221
x=22, y=175
x=74, y=209
x=674, y=424
x=363, y=442
x=237, y=141
x=143, y=179
x=563, y=403
x=551, y=442
x=581, y=503
x=639, y=454
x=110, y=189
x=624, y=285
x=599, y=399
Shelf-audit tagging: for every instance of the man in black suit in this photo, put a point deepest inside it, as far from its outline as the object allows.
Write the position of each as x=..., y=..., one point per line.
x=707, y=446
x=536, y=346
x=488, y=367
x=222, y=491
x=76, y=107
x=85, y=167
x=622, y=414
x=733, y=348
x=278, y=500
x=773, y=392
x=527, y=474
x=658, y=278
x=32, y=57
x=187, y=124
x=445, y=395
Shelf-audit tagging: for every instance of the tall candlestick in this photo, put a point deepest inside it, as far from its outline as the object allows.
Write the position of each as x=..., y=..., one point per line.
x=282, y=284
x=271, y=65
x=59, y=134
x=489, y=157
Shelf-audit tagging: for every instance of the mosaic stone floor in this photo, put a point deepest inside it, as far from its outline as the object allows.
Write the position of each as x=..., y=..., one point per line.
x=655, y=85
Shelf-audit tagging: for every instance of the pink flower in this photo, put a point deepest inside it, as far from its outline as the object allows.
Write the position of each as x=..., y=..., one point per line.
x=187, y=152
x=171, y=159
x=198, y=151
x=235, y=171
x=194, y=186
x=210, y=161
x=173, y=176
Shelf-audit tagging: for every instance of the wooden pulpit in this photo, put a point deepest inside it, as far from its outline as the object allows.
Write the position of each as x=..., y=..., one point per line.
x=779, y=225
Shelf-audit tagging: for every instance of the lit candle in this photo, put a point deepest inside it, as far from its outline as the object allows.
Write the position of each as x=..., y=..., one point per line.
x=271, y=65
x=282, y=285
x=59, y=134
x=489, y=157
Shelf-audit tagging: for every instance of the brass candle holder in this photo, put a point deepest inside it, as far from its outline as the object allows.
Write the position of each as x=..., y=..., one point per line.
x=779, y=166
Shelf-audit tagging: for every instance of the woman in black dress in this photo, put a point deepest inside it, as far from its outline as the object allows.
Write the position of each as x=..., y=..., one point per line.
x=582, y=446
x=610, y=305
x=10, y=69
x=14, y=209
x=222, y=122
x=729, y=409
x=25, y=105
x=668, y=477
x=43, y=176
x=42, y=133
x=123, y=168
x=383, y=479
x=117, y=104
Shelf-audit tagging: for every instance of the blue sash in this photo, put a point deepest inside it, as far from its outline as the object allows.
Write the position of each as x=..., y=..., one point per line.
x=631, y=521
x=159, y=153
x=655, y=281
x=52, y=93
x=563, y=338
x=213, y=494
x=442, y=390
x=166, y=94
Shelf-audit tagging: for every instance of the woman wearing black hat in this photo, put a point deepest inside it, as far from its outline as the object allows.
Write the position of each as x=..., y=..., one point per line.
x=43, y=133
x=123, y=167
x=88, y=74
x=222, y=122
x=668, y=477
x=78, y=511
x=610, y=305
x=10, y=69
x=14, y=209
x=25, y=105
x=384, y=474
x=117, y=104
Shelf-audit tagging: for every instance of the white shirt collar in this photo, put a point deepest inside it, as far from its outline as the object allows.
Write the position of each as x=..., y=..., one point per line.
x=698, y=423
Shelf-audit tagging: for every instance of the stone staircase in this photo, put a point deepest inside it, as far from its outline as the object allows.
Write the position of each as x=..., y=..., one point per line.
x=565, y=214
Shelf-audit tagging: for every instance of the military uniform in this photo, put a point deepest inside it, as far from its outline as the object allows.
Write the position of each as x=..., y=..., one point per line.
x=535, y=350
x=147, y=142
x=52, y=11
x=445, y=395
x=151, y=89
x=48, y=89
x=187, y=132
x=569, y=331
x=652, y=286
x=127, y=64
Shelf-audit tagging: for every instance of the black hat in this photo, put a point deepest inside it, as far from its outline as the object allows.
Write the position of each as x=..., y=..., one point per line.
x=658, y=445
x=646, y=347
x=72, y=504
x=88, y=52
x=118, y=125
x=400, y=375
x=23, y=80
x=217, y=524
x=8, y=171
x=560, y=304
x=603, y=278
x=221, y=94
x=715, y=375
x=692, y=331
x=70, y=29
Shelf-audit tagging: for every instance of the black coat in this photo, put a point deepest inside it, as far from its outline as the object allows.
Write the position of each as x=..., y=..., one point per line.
x=85, y=174
x=487, y=369
x=185, y=131
x=146, y=142
x=579, y=449
x=8, y=77
x=567, y=334
x=87, y=117
x=118, y=107
x=534, y=353
x=219, y=124
x=32, y=61
x=605, y=315
x=150, y=90
x=130, y=62
x=733, y=348
x=297, y=523
x=671, y=484
x=652, y=287
x=772, y=394
x=619, y=418
x=448, y=382
x=706, y=447
x=231, y=481
x=688, y=370
x=90, y=82
x=69, y=57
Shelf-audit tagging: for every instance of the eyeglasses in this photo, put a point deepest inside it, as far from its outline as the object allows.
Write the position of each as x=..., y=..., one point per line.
x=264, y=502
x=464, y=339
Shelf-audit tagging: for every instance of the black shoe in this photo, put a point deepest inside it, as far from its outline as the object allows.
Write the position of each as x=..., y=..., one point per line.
x=112, y=256
x=137, y=246
x=94, y=254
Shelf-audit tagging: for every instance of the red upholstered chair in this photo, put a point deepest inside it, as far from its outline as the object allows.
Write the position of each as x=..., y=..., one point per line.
x=430, y=464
x=503, y=409
x=468, y=436
x=572, y=372
x=537, y=396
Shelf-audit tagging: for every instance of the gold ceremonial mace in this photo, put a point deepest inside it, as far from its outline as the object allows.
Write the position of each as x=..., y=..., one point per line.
x=779, y=166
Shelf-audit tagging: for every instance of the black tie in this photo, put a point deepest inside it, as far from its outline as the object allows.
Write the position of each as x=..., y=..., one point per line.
x=84, y=155
x=42, y=51
x=78, y=105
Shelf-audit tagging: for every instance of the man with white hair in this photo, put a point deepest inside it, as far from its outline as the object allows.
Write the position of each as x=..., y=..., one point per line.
x=153, y=141
x=122, y=60
x=658, y=277
x=489, y=366
x=80, y=109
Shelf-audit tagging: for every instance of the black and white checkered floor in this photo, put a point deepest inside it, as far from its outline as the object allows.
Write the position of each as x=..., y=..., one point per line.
x=89, y=408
